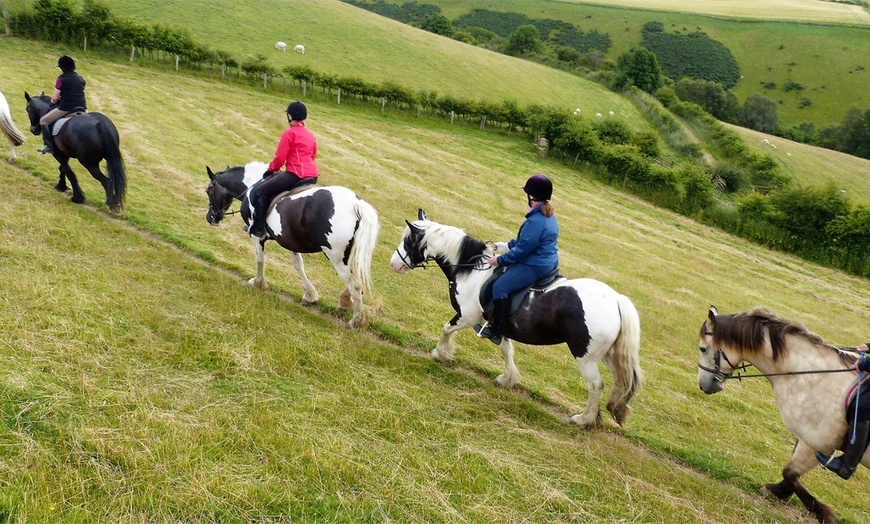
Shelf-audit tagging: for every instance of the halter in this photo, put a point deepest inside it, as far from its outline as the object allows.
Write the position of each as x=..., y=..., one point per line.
x=721, y=376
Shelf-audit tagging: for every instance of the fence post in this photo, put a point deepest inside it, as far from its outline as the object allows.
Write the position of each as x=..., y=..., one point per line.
x=132, y=53
x=451, y=116
x=86, y=43
x=223, y=70
x=339, y=95
x=265, y=80
x=383, y=103
x=304, y=87
x=176, y=62
x=6, y=22
x=483, y=122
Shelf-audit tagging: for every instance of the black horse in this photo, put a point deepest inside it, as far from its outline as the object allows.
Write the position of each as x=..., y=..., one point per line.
x=90, y=138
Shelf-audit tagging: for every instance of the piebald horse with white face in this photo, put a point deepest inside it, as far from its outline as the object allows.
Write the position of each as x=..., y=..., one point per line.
x=331, y=220
x=595, y=321
x=810, y=379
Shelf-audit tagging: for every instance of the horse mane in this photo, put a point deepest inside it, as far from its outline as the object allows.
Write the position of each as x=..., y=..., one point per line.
x=452, y=246
x=746, y=331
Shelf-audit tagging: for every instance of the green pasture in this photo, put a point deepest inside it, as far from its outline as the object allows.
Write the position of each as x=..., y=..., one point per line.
x=349, y=42
x=830, y=12
x=815, y=166
x=831, y=60
x=143, y=382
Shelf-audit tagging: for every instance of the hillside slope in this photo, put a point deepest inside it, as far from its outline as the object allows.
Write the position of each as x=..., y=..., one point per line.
x=284, y=414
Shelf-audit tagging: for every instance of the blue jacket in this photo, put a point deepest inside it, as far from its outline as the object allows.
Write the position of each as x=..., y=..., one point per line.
x=535, y=244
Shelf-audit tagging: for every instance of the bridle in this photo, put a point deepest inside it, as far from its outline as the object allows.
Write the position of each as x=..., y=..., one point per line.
x=476, y=262
x=721, y=376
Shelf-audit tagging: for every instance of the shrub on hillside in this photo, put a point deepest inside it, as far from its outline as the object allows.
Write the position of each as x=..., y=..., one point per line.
x=693, y=55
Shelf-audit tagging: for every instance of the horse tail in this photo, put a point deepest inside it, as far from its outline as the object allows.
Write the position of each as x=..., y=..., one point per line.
x=626, y=357
x=114, y=161
x=364, y=239
x=15, y=136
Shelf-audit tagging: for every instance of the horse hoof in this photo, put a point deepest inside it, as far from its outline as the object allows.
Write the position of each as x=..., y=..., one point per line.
x=60, y=188
x=579, y=421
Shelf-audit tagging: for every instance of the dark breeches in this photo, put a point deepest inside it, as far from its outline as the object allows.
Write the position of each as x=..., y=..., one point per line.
x=269, y=188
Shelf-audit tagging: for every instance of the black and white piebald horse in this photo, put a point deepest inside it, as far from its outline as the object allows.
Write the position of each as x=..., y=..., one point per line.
x=90, y=138
x=328, y=219
x=595, y=321
x=7, y=126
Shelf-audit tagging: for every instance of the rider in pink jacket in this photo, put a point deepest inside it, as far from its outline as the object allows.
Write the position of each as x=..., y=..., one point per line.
x=297, y=150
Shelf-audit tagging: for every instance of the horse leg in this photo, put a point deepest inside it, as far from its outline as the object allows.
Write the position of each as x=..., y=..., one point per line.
x=78, y=195
x=104, y=181
x=592, y=414
x=445, y=348
x=259, y=281
x=351, y=296
x=617, y=402
x=511, y=375
x=309, y=294
x=61, y=186
x=802, y=460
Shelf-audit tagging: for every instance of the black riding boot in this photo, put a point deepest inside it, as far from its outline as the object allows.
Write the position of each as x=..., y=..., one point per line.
x=495, y=327
x=47, y=140
x=845, y=464
x=258, y=221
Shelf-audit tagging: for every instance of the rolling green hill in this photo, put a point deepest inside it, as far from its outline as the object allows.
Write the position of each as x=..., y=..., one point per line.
x=830, y=59
x=143, y=382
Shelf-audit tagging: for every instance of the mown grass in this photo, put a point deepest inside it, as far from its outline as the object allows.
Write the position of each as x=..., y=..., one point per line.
x=141, y=384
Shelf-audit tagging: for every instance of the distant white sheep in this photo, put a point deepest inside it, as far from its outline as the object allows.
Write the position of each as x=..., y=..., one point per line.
x=612, y=113
x=281, y=46
x=299, y=49
x=766, y=142
x=577, y=111
x=597, y=115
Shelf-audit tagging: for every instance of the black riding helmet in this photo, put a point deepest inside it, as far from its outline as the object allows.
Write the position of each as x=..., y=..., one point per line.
x=66, y=63
x=297, y=111
x=539, y=187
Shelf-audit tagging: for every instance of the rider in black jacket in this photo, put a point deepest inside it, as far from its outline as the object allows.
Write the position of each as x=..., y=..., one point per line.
x=69, y=96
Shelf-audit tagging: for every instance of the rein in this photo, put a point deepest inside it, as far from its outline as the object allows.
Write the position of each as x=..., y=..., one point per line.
x=722, y=376
x=424, y=264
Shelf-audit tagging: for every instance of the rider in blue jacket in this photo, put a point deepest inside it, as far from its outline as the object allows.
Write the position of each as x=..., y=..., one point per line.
x=529, y=257
x=859, y=429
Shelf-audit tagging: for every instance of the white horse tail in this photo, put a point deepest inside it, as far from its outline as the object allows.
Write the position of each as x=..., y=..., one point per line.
x=15, y=136
x=364, y=240
x=625, y=357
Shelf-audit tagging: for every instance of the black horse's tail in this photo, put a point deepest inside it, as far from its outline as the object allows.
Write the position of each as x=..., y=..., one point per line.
x=114, y=162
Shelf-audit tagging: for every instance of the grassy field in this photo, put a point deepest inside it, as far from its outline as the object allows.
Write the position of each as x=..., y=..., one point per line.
x=815, y=166
x=791, y=10
x=350, y=42
x=831, y=61
x=144, y=383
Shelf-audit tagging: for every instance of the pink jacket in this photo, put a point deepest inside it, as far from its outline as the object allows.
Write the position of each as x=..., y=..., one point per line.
x=296, y=152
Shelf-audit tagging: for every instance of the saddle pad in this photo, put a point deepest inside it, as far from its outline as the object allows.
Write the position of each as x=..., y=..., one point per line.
x=853, y=390
x=58, y=125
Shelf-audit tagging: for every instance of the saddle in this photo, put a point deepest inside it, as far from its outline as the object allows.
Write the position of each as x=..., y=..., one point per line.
x=516, y=299
x=58, y=125
x=300, y=186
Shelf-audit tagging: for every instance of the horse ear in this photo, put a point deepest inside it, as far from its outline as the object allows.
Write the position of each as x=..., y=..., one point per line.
x=210, y=174
x=421, y=215
x=711, y=315
x=27, y=96
x=414, y=228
